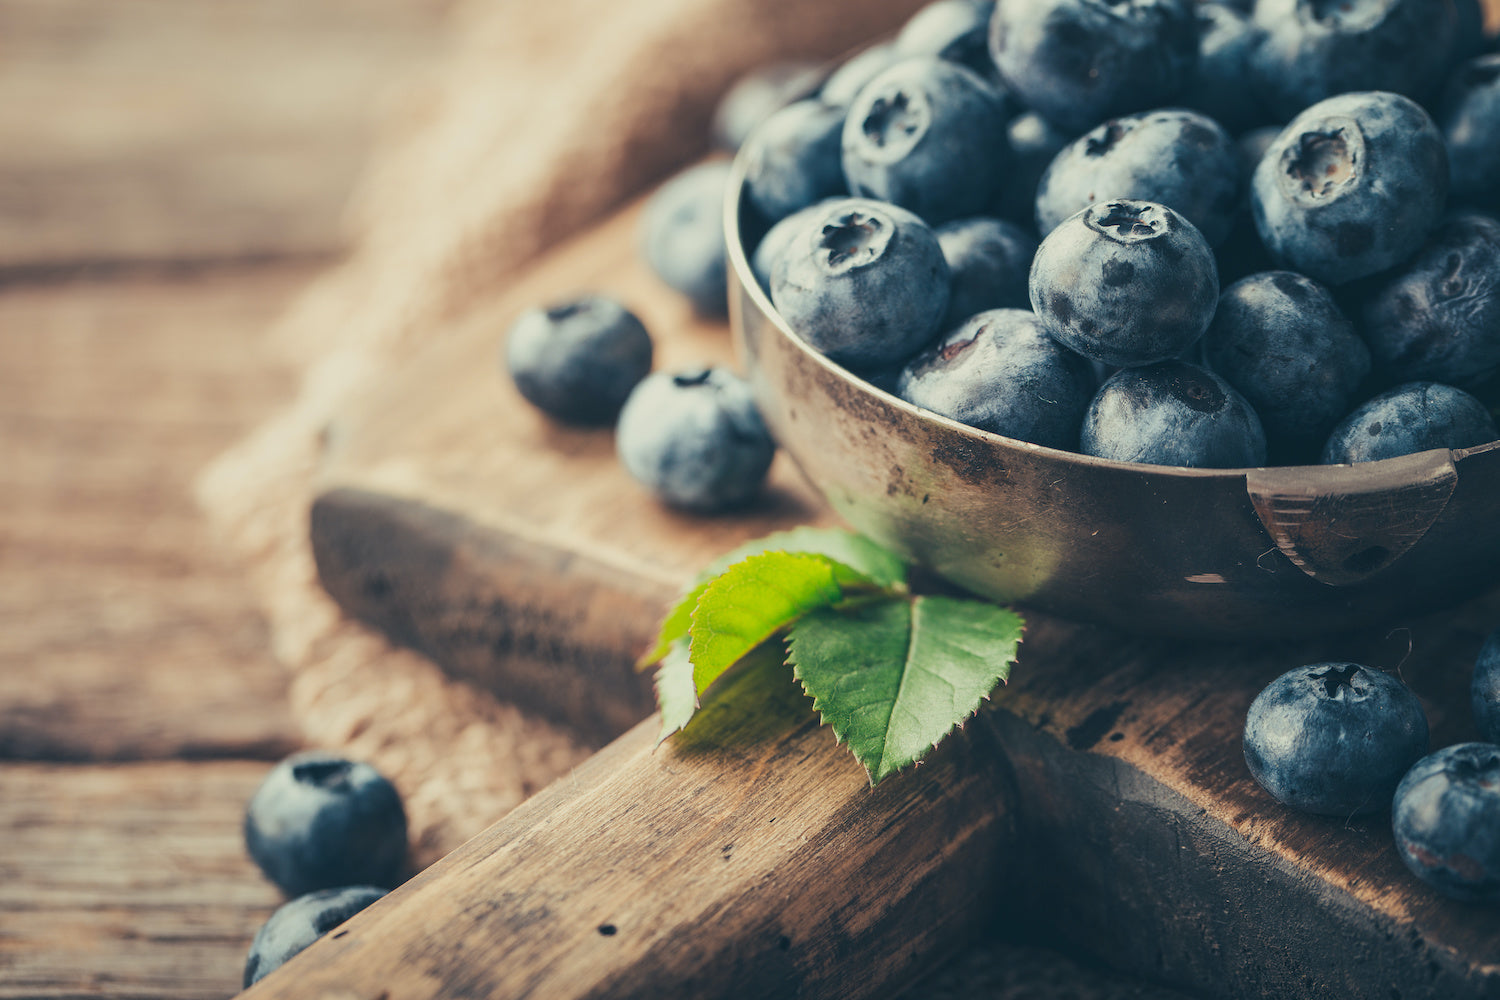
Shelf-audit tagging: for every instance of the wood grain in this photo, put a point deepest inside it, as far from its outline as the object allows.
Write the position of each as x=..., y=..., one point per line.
x=175, y=131
x=748, y=859
x=1150, y=845
x=127, y=880
x=123, y=633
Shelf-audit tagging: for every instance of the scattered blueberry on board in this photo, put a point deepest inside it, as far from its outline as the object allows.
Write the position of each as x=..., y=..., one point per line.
x=1446, y=820
x=319, y=821
x=299, y=923
x=695, y=439
x=1334, y=738
x=578, y=360
x=682, y=236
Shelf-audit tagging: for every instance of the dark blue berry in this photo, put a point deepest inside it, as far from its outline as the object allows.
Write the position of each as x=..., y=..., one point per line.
x=1438, y=316
x=1178, y=158
x=1078, y=62
x=1000, y=372
x=928, y=135
x=794, y=159
x=1125, y=283
x=956, y=30
x=1281, y=340
x=1034, y=142
x=1446, y=819
x=1352, y=186
x=1227, y=41
x=1416, y=416
x=865, y=283
x=1469, y=115
x=763, y=260
x=1314, y=49
x=682, y=236
x=1334, y=738
x=319, y=820
x=695, y=439
x=759, y=94
x=578, y=360
x=1484, y=690
x=1172, y=413
x=990, y=264
x=299, y=923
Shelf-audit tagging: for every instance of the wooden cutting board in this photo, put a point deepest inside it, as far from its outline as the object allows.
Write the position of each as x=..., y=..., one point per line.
x=1101, y=797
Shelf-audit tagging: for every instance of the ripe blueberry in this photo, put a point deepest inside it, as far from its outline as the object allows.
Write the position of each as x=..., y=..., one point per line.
x=1172, y=413
x=695, y=439
x=1334, y=738
x=578, y=360
x=1446, y=818
x=682, y=236
x=319, y=820
x=1413, y=417
x=299, y=923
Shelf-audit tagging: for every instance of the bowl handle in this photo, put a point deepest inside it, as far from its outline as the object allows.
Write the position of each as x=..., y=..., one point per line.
x=1342, y=524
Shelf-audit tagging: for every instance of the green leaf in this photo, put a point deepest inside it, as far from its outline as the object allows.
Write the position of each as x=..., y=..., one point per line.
x=872, y=566
x=675, y=694
x=894, y=677
x=753, y=600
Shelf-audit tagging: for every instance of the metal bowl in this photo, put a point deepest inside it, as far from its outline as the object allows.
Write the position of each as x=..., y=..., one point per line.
x=1204, y=553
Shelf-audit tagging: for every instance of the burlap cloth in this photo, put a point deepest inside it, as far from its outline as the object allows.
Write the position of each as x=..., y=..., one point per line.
x=538, y=119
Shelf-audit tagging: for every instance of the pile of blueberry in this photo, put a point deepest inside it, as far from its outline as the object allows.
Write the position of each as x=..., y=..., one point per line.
x=1163, y=231
x=331, y=833
x=1342, y=739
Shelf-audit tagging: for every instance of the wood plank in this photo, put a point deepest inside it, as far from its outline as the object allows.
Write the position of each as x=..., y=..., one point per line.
x=176, y=131
x=124, y=634
x=1151, y=845
x=749, y=860
x=128, y=881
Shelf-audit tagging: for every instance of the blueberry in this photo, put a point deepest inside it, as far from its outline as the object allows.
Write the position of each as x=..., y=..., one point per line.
x=1446, y=819
x=320, y=820
x=928, y=135
x=865, y=283
x=844, y=84
x=1469, y=115
x=1438, y=316
x=763, y=260
x=1227, y=41
x=1484, y=690
x=990, y=263
x=1281, y=340
x=956, y=30
x=299, y=923
x=1000, y=372
x=695, y=439
x=682, y=236
x=1034, y=141
x=1351, y=187
x=759, y=94
x=1314, y=49
x=578, y=360
x=1125, y=282
x=1334, y=738
x=794, y=159
x=1177, y=158
x=1413, y=417
x=1172, y=413
x=1078, y=62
